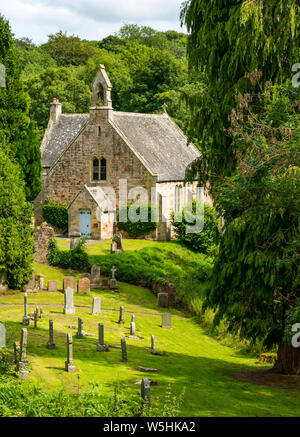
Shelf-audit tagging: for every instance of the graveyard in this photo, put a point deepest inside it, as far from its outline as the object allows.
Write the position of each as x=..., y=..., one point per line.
x=165, y=345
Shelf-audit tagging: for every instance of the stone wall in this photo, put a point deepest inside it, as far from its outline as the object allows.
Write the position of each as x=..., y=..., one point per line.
x=42, y=238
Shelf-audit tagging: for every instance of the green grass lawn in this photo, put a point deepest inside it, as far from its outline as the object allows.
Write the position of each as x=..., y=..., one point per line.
x=194, y=362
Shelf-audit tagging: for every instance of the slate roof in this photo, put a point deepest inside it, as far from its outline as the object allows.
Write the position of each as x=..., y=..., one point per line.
x=159, y=141
x=155, y=138
x=61, y=134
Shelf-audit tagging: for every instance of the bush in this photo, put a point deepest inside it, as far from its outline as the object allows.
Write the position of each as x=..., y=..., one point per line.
x=56, y=215
x=75, y=259
x=142, y=227
x=205, y=241
x=16, y=235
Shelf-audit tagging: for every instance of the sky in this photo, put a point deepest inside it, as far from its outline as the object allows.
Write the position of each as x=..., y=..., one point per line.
x=88, y=19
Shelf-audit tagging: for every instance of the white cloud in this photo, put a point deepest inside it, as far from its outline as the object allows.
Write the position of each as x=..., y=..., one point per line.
x=89, y=19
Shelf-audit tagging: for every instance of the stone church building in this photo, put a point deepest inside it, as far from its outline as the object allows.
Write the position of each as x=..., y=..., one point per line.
x=92, y=162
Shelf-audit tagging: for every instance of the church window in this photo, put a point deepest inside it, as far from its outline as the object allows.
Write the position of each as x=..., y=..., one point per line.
x=103, y=169
x=96, y=169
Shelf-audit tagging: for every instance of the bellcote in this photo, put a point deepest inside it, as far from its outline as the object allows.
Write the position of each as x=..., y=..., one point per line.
x=101, y=100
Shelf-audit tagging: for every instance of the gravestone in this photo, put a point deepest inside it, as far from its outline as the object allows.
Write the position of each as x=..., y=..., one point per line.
x=40, y=282
x=166, y=321
x=117, y=244
x=75, y=238
x=17, y=351
x=41, y=313
x=69, y=301
x=69, y=365
x=87, y=275
x=132, y=325
x=21, y=367
x=105, y=284
x=51, y=344
x=26, y=318
x=96, y=311
x=84, y=285
x=2, y=335
x=52, y=286
x=36, y=316
x=69, y=282
x=163, y=300
x=124, y=350
x=113, y=285
x=101, y=347
x=30, y=286
x=80, y=332
x=95, y=274
x=121, y=317
x=153, y=343
x=145, y=392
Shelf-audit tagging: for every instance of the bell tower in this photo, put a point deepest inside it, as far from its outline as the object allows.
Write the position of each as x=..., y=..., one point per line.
x=101, y=107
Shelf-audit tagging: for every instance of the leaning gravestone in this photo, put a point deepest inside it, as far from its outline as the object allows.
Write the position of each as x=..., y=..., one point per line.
x=69, y=365
x=26, y=318
x=51, y=344
x=52, y=286
x=96, y=311
x=2, y=335
x=95, y=277
x=69, y=282
x=163, y=300
x=69, y=302
x=84, y=285
x=124, y=350
x=166, y=321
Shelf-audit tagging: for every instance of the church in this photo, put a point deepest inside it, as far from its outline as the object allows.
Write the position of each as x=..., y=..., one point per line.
x=95, y=162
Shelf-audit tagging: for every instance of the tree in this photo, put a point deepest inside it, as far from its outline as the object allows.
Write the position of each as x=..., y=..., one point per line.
x=256, y=280
x=68, y=50
x=15, y=125
x=74, y=95
x=16, y=235
x=226, y=41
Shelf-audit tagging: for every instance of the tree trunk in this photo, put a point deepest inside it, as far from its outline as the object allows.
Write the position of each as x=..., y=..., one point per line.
x=288, y=359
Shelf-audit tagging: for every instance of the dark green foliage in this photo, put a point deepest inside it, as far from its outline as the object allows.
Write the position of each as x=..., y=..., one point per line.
x=204, y=241
x=33, y=60
x=229, y=40
x=75, y=259
x=56, y=215
x=16, y=235
x=256, y=276
x=74, y=95
x=146, y=224
x=68, y=50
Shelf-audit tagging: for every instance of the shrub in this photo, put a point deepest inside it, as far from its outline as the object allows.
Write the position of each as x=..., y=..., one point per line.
x=75, y=259
x=142, y=227
x=205, y=241
x=56, y=215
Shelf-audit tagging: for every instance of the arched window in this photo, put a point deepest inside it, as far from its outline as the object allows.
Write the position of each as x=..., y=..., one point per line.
x=95, y=169
x=103, y=169
x=99, y=131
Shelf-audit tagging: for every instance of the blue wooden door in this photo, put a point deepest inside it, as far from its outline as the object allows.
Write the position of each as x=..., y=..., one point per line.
x=85, y=223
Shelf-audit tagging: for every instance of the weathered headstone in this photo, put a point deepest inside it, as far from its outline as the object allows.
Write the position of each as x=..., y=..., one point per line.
x=51, y=344
x=30, y=286
x=116, y=246
x=80, y=332
x=69, y=301
x=69, y=365
x=69, y=282
x=75, y=238
x=36, y=316
x=124, y=350
x=132, y=326
x=153, y=343
x=95, y=274
x=105, y=284
x=17, y=351
x=163, y=300
x=96, y=311
x=166, y=321
x=113, y=285
x=121, y=317
x=52, y=286
x=22, y=368
x=2, y=335
x=83, y=285
x=101, y=347
x=40, y=282
x=145, y=392
x=26, y=318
